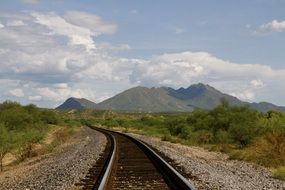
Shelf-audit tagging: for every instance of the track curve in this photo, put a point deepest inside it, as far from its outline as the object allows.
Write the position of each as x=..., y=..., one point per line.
x=131, y=164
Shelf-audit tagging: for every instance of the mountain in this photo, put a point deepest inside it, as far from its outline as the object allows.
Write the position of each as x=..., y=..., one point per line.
x=165, y=99
x=146, y=100
x=202, y=96
x=265, y=106
x=77, y=103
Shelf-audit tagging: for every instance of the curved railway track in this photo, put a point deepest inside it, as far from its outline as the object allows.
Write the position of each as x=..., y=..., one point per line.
x=128, y=163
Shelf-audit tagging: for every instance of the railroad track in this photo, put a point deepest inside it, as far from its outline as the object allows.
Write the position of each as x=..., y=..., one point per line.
x=128, y=163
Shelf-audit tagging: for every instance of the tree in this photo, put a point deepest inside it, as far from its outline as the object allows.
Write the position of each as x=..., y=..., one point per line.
x=244, y=125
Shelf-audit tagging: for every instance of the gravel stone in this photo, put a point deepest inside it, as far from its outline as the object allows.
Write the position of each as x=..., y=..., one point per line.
x=213, y=170
x=59, y=170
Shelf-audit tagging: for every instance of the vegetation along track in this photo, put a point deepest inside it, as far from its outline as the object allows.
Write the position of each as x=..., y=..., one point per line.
x=128, y=163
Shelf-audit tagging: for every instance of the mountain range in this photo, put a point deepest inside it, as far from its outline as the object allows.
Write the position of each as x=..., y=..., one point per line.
x=165, y=99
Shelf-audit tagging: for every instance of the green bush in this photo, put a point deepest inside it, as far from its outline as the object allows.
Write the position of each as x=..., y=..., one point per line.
x=49, y=117
x=15, y=118
x=222, y=137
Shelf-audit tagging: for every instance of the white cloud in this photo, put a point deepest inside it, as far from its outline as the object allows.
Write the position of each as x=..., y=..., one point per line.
x=46, y=93
x=1, y=25
x=17, y=92
x=58, y=95
x=35, y=98
x=257, y=83
x=59, y=26
x=60, y=85
x=90, y=21
x=44, y=46
x=245, y=95
x=184, y=69
x=47, y=59
x=15, y=23
x=105, y=46
x=273, y=26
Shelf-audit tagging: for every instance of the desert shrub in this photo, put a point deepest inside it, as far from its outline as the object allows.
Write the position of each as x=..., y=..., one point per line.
x=222, y=137
x=166, y=137
x=5, y=143
x=26, y=141
x=219, y=118
x=110, y=122
x=200, y=120
x=151, y=121
x=268, y=145
x=279, y=173
x=61, y=135
x=269, y=150
x=26, y=151
x=8, y=105
x=169, y=138
x=244, y=125
x=86, y=122
x=49, y=117
x=15, y=118
x=180, y=129
x=201, y=137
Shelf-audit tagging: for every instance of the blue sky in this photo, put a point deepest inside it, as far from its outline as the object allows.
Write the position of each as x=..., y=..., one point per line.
x=51, y=50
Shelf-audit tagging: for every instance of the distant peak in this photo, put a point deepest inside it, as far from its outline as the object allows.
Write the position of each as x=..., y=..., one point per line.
x=201, y=86
x=74, y=99
x=71, y=98
x=198, y=85
x=77, y=103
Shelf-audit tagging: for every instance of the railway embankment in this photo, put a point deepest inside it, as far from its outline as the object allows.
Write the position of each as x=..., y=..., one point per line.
x=59, y=170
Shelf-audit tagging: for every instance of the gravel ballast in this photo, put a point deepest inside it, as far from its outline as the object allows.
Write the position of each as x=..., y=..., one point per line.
x=213, y=170
x=71, y=162
x=59, y=170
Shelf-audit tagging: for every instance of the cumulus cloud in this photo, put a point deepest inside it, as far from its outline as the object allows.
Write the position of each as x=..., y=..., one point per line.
x=46, y=52
x=48, y=44
x=59, y=26
x=58, y=95
x=183, y=69
x=60, y=85
x=273, y=26
x=35, y=98
x=15, y=23
x=17, y=92
x=48, y=57
x=257, y=83
x=90, y=21
x=105, y=46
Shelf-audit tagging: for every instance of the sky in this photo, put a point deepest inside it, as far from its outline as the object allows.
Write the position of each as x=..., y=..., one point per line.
x=54, y=49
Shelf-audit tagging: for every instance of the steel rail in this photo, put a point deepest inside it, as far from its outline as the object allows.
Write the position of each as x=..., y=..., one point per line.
x=102, y=181
x=171, y=176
